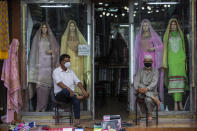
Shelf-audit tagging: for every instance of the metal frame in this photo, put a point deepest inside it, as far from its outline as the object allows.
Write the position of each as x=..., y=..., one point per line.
x=53, y=1
x=131, y=56
x=24, y=19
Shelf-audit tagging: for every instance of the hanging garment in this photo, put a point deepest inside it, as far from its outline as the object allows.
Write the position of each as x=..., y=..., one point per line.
x=10, y=76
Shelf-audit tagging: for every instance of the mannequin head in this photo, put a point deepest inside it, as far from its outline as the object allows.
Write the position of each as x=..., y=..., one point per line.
x=173, y=26
x=72, y=27
x=44, y=29
x=145, y=27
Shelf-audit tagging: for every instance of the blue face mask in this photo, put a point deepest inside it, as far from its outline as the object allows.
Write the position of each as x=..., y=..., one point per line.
x=67, y=64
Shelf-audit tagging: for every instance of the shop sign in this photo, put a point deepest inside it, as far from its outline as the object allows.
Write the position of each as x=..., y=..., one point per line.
x=83, y=50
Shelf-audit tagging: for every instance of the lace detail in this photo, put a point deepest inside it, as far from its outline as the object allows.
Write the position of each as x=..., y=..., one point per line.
x=174, y=43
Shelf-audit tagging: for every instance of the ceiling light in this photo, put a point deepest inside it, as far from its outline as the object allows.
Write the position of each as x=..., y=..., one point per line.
x=116, y=16
x=149, y=12
x=148, y=7
x=107, y=14
x=157, y=11
x=136, y=3
x=101, y=16
x=106, y=4
x=124, y=25
x=113, y=9
x=142, y=8
x=112, y=14
x=168, y=5
x=134, y=14
x=165, y=5
x=103, y=13
x=100, y=9
x=162, y=3
x=123, y=14
x=100, y=3
x=55, y=6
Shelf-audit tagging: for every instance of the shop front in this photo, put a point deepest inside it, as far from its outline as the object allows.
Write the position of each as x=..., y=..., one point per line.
x=103, y=52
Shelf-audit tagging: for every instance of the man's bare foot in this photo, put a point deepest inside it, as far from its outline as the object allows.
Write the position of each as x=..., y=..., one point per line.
x=76, y=123
x=156, y=100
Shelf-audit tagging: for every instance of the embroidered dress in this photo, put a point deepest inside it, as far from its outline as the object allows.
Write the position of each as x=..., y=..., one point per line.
x=175, y=62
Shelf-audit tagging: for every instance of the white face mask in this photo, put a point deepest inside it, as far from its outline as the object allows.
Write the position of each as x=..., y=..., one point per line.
x=67, y=64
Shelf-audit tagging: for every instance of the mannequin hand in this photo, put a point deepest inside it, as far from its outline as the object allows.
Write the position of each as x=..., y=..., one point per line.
x=49, y=52
x=163, y=69
x=151, y=49
x=85, y=94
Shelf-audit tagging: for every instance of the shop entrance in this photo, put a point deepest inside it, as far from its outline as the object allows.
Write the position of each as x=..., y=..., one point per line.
x=111, y=59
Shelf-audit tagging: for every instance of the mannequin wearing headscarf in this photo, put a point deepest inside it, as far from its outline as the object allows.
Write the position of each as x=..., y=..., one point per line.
x=43, y=59
x=71, y=38
x=10, y=76
x=174, y=60
x=149, y=43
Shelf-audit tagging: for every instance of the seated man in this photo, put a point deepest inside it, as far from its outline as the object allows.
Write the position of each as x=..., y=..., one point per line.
x=64, y=84
x=145, y=84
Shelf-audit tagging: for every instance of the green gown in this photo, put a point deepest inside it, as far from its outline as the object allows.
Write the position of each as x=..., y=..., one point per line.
x=174, y=61
x=176, y=65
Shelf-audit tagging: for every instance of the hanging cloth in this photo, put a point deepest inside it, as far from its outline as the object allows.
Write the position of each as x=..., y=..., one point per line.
x=10, y=76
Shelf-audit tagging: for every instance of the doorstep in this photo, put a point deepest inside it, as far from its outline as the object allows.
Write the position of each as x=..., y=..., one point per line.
x=48, y=117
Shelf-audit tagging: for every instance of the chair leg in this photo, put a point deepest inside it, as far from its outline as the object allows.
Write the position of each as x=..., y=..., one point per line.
x=136, y=112
x=146, y=117
x=57, y=114
x=70, y=116
x=156, y=115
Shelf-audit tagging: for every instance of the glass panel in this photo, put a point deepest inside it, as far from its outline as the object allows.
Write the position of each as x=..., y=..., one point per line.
x=111, y=58
x=167, y=21
x=42, y=39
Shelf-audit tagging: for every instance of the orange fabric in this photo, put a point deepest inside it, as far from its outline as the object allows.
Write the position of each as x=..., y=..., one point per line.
x=4, y=30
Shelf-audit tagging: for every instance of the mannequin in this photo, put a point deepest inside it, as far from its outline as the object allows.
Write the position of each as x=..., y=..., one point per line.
x=71, y=38
x=43, y=59
x=174, y=60
x=148, y=42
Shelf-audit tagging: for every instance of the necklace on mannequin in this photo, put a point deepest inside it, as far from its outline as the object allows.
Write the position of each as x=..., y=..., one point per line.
x=146, y=35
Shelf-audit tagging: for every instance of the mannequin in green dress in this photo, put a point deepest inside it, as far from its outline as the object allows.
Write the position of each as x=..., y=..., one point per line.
x=174, y=60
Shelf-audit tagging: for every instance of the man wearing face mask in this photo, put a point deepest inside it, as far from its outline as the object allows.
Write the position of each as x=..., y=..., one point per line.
x=145, y=84
x=64, y=84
